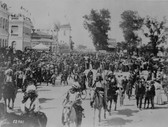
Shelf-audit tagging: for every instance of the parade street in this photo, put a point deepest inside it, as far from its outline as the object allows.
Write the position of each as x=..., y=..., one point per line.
x=129, y=115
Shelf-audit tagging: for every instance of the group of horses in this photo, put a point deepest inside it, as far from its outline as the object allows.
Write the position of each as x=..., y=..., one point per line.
x=8, y=93
x=101, y=100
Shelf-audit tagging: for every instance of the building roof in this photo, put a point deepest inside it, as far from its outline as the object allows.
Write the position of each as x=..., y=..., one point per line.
x=112, y=43
x=41, y=47
x=43, y=40
x=65, y=26
x=40, y=34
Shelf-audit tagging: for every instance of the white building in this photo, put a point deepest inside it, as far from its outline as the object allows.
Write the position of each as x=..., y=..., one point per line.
x=64, y=34
x=20, y=31
x=4, y=25
x=45, y=36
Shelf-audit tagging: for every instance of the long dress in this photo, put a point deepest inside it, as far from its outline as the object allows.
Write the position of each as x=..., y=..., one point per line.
x=159, y=99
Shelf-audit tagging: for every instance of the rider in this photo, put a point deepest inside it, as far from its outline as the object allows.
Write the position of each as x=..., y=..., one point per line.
x=30, y=100
x=90, y=78
x=73, y=99
x=99, y=85
x=8, y=75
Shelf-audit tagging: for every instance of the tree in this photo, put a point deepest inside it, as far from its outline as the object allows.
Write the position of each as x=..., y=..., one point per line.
x=97, y=23
x=121, y=45
x=130, y=24
x=156, y=33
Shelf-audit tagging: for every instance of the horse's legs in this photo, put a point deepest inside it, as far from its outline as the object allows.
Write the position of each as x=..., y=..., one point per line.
x=115, y=106
x=104, y=113
x=94, y=117
x=13, y=100
x=9, y=103
x=99, y=115
x=5, y=102
x=110, y=107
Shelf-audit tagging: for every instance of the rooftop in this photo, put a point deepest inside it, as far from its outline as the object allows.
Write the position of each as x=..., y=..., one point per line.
x=19, y=17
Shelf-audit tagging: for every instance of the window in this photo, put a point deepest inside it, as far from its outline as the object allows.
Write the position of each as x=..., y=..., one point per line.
x=7, y=24
x=6, y=43
x=3, y=43
x=1, y=22
x=26, y=31
x=14, y=30
x=0, y=43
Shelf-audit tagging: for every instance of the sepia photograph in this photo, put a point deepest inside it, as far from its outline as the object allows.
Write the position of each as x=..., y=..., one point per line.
x=83, y=63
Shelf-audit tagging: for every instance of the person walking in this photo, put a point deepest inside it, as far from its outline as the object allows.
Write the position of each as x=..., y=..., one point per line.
x=140, y=92
x=152, y=93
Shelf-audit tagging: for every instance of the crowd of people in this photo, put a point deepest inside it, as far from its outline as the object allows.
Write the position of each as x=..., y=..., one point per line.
x=26, y=70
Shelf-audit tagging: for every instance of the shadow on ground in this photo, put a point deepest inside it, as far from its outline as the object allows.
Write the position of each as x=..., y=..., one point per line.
x=115, y=122
x=44, y=100
x=161, y=107
x=127, y=112
x=44, y=90
x=129, y=105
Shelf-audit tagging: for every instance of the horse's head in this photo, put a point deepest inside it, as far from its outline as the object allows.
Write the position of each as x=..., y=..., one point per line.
x=92, y=94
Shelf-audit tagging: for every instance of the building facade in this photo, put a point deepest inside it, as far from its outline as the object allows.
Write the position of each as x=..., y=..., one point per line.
x=46, y=37
x=20, y=28
x=4, y=25
x=64, y=35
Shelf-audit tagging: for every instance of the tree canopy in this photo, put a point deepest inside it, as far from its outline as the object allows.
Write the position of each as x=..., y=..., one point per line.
x=131, y=22
x=156, y=33
x=98, y=25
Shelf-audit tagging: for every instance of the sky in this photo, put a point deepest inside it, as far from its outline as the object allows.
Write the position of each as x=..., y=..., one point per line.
x=44, y=13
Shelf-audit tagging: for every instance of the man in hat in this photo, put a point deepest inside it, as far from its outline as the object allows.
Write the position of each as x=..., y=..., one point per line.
x=30, y=100
x=152, y=93
x=73, y=99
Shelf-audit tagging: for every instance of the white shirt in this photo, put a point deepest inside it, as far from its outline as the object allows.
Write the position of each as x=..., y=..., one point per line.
x=72, y=97
x=99, y=84
x=34, y=105
x=30, y=88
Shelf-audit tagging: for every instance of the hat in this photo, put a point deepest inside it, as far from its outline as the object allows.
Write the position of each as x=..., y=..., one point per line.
x=152, y=82
x=30, y=81
x=72, y=90
x=75, y=86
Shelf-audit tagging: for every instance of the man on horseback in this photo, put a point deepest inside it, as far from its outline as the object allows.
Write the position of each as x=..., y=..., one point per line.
x=8, y=76
x=90, y=78
x=112, y=92
x=73, y=100
x=30, y=100
x=99, y=85
x=9, y=88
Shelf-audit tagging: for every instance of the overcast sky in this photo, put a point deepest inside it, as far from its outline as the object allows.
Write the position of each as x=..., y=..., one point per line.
x=45, y=12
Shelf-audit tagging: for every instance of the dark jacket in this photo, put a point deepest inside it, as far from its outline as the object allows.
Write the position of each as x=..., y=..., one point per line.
x=140, y=90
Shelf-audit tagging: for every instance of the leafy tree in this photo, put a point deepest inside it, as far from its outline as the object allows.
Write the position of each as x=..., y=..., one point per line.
x=121, y=45
x=131, y=22
x=156, y=33
x=97, y=23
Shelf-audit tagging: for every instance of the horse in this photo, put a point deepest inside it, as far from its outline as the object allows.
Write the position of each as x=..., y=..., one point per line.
x=30, y=119
x=69, y=116
x=9, y=89
x=112, y=95
x=98, y=103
